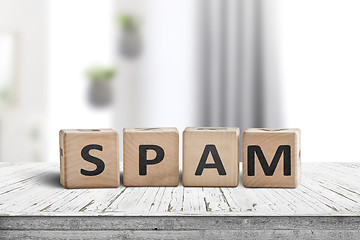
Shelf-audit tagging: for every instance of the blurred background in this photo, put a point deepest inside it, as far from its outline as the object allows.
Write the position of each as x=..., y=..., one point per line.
x=154, y=63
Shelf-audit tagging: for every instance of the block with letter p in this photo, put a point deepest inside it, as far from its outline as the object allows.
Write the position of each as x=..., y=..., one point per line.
x=151, y=157
x=89, y=158
x=211, y=157
x=271, y=157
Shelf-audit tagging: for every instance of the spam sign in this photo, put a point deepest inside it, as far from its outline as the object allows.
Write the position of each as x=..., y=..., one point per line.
x=89, y=158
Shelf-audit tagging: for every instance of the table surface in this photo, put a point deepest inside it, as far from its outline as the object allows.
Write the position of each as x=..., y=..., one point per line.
x=326, y=189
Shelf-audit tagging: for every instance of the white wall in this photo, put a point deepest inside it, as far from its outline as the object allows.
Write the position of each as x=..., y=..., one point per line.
x=81, y=34
x=170, y=64
x=320, y=57
x=23, y=124
x=167, y=67
x=318, y=51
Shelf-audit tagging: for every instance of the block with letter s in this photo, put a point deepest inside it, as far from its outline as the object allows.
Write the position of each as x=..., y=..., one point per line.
x=89, y=158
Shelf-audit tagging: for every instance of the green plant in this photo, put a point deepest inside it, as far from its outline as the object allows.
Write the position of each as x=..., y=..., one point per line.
x=100, y=73
x=127, y=22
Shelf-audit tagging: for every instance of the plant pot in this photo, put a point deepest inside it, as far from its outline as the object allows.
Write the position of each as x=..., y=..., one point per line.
x=100, y=93
x=130, y=44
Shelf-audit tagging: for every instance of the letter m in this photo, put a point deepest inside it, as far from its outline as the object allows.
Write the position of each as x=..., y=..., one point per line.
x=269, y=170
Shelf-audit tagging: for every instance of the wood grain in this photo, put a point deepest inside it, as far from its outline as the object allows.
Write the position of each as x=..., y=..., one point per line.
x=326, y=189
x=72, y=141
x=326, y=205
x=226, y=141
x=166, y=172
x=269, y=141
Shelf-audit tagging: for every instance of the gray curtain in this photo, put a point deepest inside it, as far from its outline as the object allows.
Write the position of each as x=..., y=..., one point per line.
x=239, y=81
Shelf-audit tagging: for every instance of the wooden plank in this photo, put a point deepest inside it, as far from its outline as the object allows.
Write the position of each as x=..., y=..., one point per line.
x=193, y=201
x=171, y=201
x=19, y=174
x=329, y=189
x=215, y=200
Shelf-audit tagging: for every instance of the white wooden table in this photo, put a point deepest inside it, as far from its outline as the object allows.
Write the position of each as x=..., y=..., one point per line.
x=326, y=205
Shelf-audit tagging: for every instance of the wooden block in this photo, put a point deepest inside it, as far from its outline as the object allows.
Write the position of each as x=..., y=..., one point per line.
x=271, y=157
x=89, y=158
x=211, y=157
x=151, y=157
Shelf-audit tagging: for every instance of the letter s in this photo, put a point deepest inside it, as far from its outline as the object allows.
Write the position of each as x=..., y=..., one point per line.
x=87, y=157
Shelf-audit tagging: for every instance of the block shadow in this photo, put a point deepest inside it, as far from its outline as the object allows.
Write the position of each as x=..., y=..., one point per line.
x=52, y=179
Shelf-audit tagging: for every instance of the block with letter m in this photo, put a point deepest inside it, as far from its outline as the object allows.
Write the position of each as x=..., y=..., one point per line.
x=271, y=157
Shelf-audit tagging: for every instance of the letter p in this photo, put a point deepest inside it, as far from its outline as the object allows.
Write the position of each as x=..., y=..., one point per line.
x=143, y=161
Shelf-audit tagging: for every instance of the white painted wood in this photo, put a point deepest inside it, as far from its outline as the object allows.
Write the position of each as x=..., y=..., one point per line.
x=326, y=189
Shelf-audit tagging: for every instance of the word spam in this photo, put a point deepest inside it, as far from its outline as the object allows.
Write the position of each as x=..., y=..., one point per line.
x=89, y=158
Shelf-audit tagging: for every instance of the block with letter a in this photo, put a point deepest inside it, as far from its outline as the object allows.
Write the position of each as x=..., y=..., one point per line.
x=211, y=156
x=271, y=157
x=151, y=157
x=89, y=158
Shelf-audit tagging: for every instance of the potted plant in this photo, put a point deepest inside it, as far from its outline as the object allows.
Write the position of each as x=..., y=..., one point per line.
x=100, y=91
x=130, y=40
